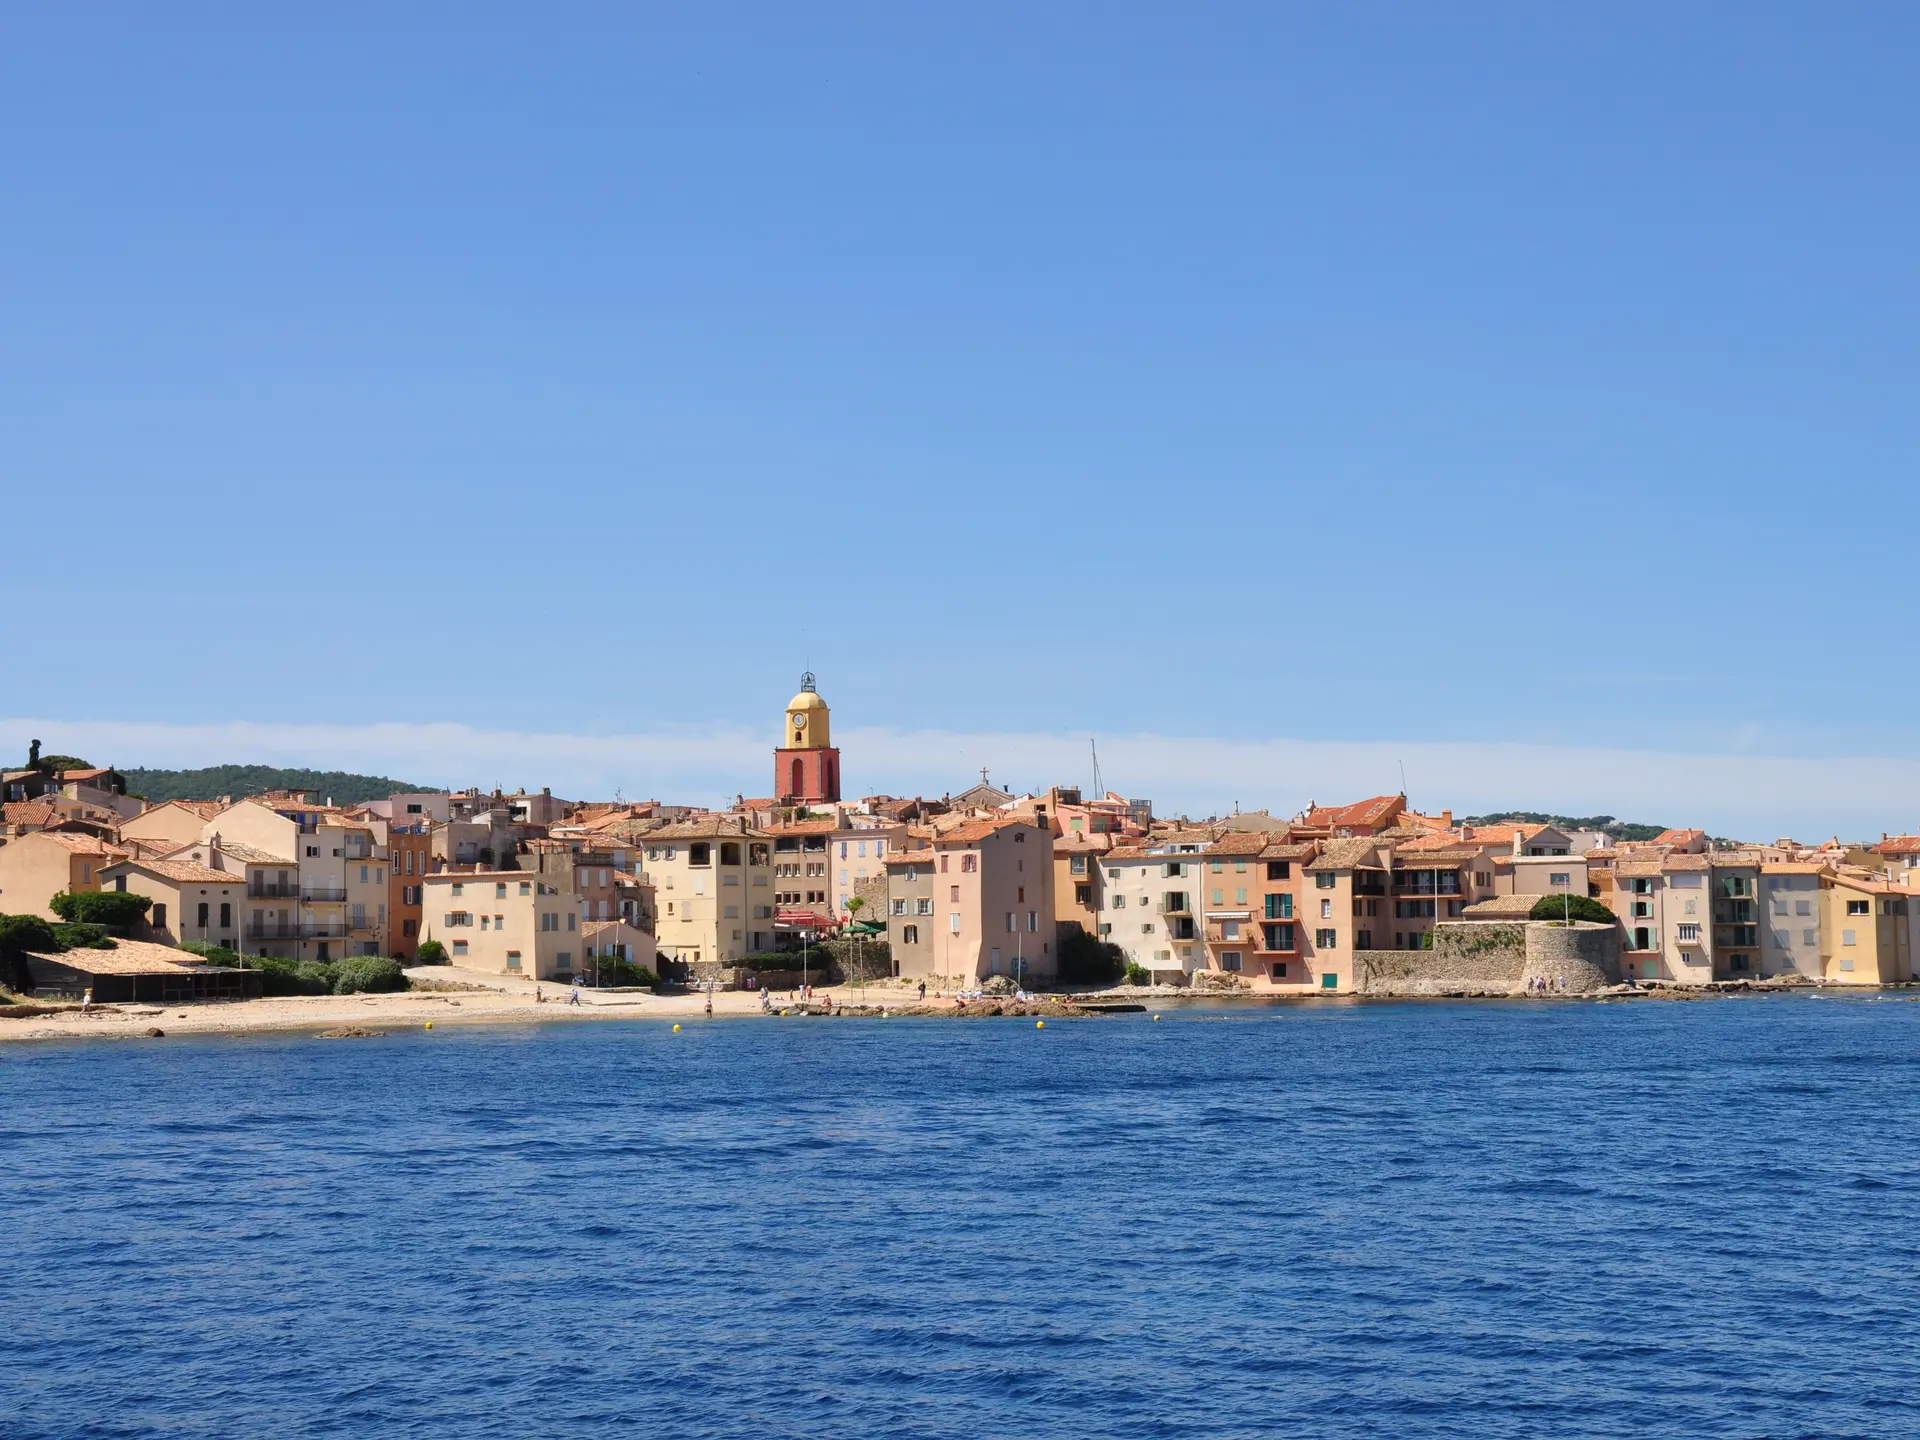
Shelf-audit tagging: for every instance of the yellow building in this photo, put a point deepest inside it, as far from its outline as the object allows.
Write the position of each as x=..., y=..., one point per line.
x=713, y=890
x=1863, y=932
x=806, y=767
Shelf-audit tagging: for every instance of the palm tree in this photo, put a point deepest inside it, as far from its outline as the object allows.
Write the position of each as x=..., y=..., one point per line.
x=854, y=907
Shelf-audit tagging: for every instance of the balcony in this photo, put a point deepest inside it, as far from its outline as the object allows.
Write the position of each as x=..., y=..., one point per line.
x=1445, y=884
x=296, y=930
x=273, y=890
x=322, y=895
x=1689, y=935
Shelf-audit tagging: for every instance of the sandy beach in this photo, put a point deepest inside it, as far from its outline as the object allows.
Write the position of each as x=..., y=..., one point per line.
x=479, y=1000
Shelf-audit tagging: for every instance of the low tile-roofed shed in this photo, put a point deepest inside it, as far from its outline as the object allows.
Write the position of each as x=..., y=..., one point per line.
x=139, y=970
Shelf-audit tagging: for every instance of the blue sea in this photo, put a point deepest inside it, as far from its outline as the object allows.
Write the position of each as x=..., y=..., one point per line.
x=1339, y=1219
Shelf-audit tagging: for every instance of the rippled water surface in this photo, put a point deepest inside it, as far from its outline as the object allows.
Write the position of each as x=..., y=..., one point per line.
x=1408, y=1220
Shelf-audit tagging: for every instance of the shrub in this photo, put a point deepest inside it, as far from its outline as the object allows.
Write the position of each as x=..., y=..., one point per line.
x=1137, y=974
x=431, y=952
x=1088, y=960
x=316, y=977
x=211, y=953
x=119, y=910
x=1575, y=907
x=281, y=976
x=369, y=975
x=83, y=937
x=19, y=936
x=615, y=971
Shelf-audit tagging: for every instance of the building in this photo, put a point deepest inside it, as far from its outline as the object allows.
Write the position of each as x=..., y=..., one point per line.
x=340, y=867
x=509, y=922
x=1864, y=927
x=174, y=822
x=995, y=884
x=714, y=890
x=409, y=861
x=1690, y=916
x=911, y=924
x=138, y=971
x=1077, y=886
x=806, y=767
x=191, y=901
x=36, y=867
x=1790, y=933
x=1150, y=906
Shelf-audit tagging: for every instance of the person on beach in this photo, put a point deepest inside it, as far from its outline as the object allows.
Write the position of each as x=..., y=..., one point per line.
x=86, y=1000
x=923, y=990
x=573, y=996
x=709, y=1002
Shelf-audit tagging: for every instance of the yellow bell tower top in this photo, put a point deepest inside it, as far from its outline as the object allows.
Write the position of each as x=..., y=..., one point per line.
x=809, y=721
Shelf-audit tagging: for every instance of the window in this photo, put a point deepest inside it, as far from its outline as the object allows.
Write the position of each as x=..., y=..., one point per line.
x=1077, y=865
x=1010, y=926
x=1033, y=922
x=1846, y=936
x=1643, y=938
x=953, y=894
x=500, y=890
x=1218, y=896
x=526, y=887
x=1859, y=907
x=953, y=923
x=1324, y=939
x=226, y=915
x=899, y=907
x=1279, y=869
x=1230, y=961
x=1846, y=962
x=313, y=852
x=1229, y=929
x=1560, y=877
x=1083, y=895
x=1642, y=909
x=1325, y=882
x=1329, y=982
x=513, y=959
x=1326, y=909
x=1779, y=907
x=1688, y=934
x=910, y=934
x=1278, y=937
x=1240, y=895
x=923, y=906
x=699, y=853
x=459, y=947
x=1119, y=902
x=969, y=864
x=1280, y=907
x=1809, y=937
x=458, y=889
x=1803, y=907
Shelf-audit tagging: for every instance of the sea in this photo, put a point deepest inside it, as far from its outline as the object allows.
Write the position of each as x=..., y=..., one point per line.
x=1318, y=1219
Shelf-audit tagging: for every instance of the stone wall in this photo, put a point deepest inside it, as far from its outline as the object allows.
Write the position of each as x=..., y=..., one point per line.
x=1495, y=957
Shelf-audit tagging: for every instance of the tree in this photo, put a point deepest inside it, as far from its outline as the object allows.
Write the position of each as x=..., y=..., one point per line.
x=119, y=910
x=1571, y=907
x=431, y=952
x=854, y=907
x=1088, y=960
x=20, y=936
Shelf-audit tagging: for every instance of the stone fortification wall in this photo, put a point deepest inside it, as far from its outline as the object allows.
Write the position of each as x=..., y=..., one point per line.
x=1575, y=961
x=1495, y=957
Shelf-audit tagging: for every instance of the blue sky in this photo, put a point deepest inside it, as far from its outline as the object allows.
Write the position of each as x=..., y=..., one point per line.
x=1505, y=374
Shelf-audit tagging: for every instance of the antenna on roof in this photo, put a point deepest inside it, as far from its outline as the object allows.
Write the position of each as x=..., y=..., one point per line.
x=1403, y=779
x=1098, y=793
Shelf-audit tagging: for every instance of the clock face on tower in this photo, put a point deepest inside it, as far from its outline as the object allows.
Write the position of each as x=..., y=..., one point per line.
x=799, y=723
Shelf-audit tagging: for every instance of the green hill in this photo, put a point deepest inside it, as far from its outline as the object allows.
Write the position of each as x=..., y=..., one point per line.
x=1618, y=829
x=344, y=787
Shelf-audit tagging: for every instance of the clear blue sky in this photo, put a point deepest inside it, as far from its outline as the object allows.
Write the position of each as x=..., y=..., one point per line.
x=1490, y=372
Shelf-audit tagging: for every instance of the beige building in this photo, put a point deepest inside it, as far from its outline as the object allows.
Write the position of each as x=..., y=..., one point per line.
x=190, y=901
x=1077, y=879
x=174, y=822
x=342, y=870
x=1864, y=929
x=1151, y=906
x=509, y=922
x=912, y=927
x=1790, y=928
x=1690, y=917
x=993, y=901
x=34, y=868
x=713, y=890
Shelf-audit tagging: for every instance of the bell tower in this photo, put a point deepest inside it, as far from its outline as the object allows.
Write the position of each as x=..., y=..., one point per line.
x=806, y=767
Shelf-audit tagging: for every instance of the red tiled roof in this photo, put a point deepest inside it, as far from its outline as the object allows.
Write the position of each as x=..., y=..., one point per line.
x=1376, y=811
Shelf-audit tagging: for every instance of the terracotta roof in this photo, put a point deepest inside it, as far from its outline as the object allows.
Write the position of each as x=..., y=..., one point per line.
x=36, y=814
x=1685, y=862
x=707, y=827
x=1679, y=837
x=911, y=857
x=232, y=849
x=79, y=842
x=1243, y=843
x=1345, y=854
x=1376, y=811
x=1438, y=854
x=186, y=872
x=805, y=827
x=1642, y=868
x=1501, y=907
x=133, y=957
x=1792, y=867
x=1892, y=845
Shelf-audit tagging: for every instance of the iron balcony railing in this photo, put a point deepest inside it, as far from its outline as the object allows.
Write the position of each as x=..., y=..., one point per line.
x=273, y=890
x=296, y=930
x=322, y=895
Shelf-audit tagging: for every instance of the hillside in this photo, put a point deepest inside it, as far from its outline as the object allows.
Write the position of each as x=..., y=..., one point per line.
x=344, y=787
x=1618, y=829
